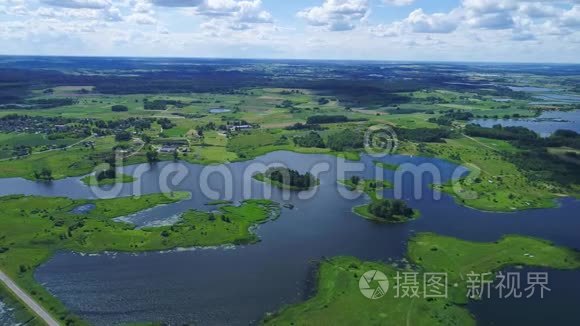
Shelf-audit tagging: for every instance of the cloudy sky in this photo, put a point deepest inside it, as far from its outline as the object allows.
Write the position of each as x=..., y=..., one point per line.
x=456, y=30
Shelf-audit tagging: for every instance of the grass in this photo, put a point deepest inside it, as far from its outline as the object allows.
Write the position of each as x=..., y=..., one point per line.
x=90, y=180
x=32, y=229
x=369, y=187
x=459, y=257
x=338, y=300
x=494, y=184
x=386, y=166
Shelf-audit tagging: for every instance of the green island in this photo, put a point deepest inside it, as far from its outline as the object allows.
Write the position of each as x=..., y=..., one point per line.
x=387, y=211
x=32, y=229
x=369, y=187
x=92, y=180
x=387, y=166
x=285, y=178
x=338, y=300
x=380, y=209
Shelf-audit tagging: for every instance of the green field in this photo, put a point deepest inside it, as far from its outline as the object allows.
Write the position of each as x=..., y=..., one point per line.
x=494, y=183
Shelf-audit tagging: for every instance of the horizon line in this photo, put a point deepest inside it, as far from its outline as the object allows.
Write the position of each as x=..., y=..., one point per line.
x=288, y=59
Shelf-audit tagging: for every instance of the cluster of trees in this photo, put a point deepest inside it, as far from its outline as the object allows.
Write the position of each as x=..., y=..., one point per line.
x=48, y=103
x=165, y=123
x=119, y=108
x=450, y=116
x=312, y=139
x=500, y=132
x=525, y=138
x=161, y=105
x=390, y=209
x=322, y=119
x=346, y=139
x=291, y=178
x=123, y=136
x=424, y=135
x=106, y=174
x=44, y=174
x=302, y=126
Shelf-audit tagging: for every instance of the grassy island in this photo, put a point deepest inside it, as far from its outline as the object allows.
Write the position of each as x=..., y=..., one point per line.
x=339, y=300
x=32, y=229
x=285, y=178
x=387, y=211
x=379, y=210
x=369, y=187
x=387, y=166
x=94, y=181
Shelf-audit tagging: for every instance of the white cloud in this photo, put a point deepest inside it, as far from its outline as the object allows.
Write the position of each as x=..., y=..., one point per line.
x=142, y=19
x=420, y=22
x=86, y=4
x=399, y=3
x=336, y=15
x=177, y=3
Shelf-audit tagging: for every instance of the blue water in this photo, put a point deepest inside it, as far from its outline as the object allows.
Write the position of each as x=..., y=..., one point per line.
x=217, y=111
x=545, y=125
x=239, y=285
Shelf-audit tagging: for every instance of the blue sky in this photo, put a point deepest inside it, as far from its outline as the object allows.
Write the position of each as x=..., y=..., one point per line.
x=431, y=30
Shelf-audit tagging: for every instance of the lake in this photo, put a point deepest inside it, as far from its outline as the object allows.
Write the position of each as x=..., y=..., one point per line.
x=545, y=125
x=239, y=285
x=219, y=110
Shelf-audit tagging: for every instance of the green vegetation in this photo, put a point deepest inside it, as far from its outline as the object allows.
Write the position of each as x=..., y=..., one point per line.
x=33, y=228
x=369, y=187
x=387, y=210
x=339, y=301
x=459, y=258
x=495, y=184
x=99, y=180
x=380, y=209
x=386, y=166
x=312, y=139
x=285, y=178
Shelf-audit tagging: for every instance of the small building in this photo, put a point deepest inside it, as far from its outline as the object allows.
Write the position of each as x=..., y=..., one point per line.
x=241, y=127
x=168, y=149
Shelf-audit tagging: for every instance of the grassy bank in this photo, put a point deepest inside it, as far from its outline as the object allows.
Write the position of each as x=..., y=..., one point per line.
x=494, y=184
x=32, y=229
x=338, y=300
